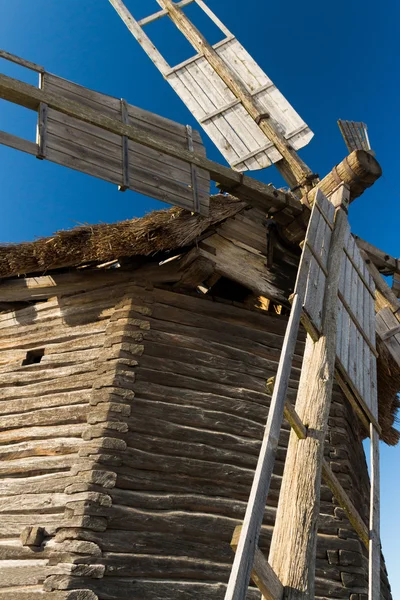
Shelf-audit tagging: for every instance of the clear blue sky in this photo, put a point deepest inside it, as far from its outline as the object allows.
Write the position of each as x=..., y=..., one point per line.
x=333, y=59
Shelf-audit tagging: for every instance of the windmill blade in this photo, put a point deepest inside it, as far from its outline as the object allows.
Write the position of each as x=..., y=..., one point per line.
x=236, y=103
x=355, y=135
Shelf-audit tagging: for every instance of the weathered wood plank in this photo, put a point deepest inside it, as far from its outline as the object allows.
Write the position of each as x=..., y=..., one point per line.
x=7, y=139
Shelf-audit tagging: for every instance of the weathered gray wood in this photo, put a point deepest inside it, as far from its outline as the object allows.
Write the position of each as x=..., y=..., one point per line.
x=232, y=81
x=42, y=133
x=262, y=574
x=374, y=522
x=18, y=143
x=21, y=61
x=260, y=194
x=247, y=543
x=293, y=548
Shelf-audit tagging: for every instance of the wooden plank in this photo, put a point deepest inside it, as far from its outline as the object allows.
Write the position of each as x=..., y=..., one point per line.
x=7, y=139
x=262, y=574
x=341, y=496
x=42, y=134
x=21, y=61
x=248, y=540
x=161, y=13
x=125, y=149
x=379, y=258
x=140, y=36
x=213, y=17
x=374, y=522
x=193, y=169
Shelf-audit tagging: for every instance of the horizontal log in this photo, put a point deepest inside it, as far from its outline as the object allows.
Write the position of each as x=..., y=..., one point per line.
x=46, y=416
x=48, y=401
x=127, y=588
x=60, y=446
x=41, y=433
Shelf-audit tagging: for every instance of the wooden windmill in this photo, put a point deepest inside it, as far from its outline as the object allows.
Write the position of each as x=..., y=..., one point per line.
x=253, y=126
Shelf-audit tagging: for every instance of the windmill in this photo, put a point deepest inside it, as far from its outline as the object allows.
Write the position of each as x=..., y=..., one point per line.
x=254, y=126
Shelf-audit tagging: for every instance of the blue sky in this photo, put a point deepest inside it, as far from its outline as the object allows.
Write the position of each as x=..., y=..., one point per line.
x=333, y=59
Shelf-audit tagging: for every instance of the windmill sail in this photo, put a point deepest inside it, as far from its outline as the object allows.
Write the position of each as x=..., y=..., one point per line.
x=212, y=101
x=355, y=135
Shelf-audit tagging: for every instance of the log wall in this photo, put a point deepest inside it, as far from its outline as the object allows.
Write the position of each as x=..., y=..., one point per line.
x=168, y=408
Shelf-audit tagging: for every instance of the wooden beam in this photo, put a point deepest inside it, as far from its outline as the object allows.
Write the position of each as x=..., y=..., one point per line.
x=374, y=521
x=295, y=170
x=293, y=548
x=262, y=574
x=13, y=141
x=341, y=496
x=358, y=171
x=384, y=262
x=21, y=61
x=256, y=193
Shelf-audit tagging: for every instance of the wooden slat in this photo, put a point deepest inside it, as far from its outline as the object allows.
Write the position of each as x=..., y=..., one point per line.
x=21, y=61
x=374, y=523
x=125, y=148
x=141, y=37
x=7, y=139
x=262, y=574
x=42, y=133
x=352, y=513
x=162, y=13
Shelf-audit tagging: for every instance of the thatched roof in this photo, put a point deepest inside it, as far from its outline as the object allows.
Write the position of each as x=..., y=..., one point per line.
x=153, y=235
x=156, y=232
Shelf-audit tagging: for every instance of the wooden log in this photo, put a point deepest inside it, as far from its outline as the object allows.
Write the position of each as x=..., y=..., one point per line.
x=359, y=170
x=293, y=548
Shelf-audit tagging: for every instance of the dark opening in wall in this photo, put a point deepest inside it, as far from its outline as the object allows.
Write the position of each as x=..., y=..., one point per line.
x=33, y=357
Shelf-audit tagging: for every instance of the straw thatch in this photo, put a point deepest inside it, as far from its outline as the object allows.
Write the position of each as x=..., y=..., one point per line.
x=156, y=232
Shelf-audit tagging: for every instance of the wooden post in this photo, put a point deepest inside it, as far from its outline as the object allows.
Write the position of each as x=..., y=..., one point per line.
x=247, y=543
x=374, y=587
x=293, y=546
x=294, y=170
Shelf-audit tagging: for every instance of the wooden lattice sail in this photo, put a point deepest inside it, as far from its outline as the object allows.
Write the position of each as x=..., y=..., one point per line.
x=355, y=135
x=221, y=90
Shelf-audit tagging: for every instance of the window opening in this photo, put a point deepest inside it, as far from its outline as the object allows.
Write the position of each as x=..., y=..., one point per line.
x=33, y=357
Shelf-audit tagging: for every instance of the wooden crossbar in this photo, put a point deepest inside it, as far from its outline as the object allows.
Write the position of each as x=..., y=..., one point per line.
x=329, y=477
x=162, y=13
x=262, y=573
